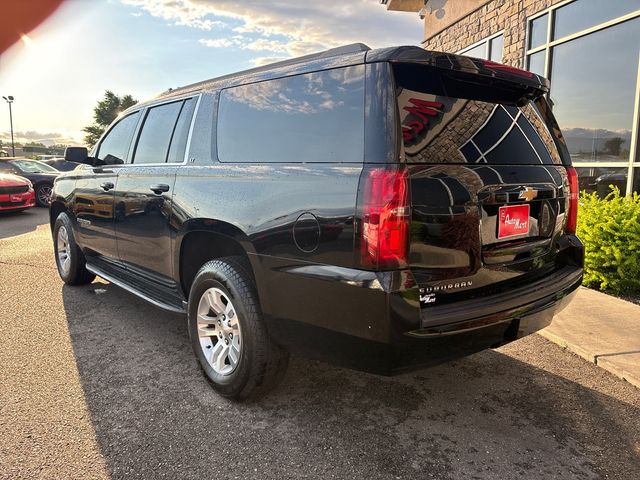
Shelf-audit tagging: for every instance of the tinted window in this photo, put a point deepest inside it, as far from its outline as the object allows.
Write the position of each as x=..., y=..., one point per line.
x=316, y=117
x=181, y=132
x=114, y=147
x=157, y=130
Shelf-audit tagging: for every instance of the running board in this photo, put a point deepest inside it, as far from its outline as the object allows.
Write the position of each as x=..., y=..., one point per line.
x=158, y=303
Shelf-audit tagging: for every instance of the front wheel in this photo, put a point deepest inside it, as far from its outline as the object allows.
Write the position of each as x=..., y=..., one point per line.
x=228, y=334
x=69, y=258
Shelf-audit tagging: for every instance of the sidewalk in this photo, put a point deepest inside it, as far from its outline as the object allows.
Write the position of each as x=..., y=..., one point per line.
x=602, y=329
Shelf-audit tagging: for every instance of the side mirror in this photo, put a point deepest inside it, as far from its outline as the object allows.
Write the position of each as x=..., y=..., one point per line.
x=77, y=155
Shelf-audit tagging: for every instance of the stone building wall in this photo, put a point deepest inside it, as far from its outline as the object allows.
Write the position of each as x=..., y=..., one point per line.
x=493, y=17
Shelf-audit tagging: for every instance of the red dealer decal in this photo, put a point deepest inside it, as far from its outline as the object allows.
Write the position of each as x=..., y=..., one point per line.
x=421, y=109
x=513, y=220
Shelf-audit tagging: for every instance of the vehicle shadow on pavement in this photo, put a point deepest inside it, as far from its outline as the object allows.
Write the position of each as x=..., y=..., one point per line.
x=495, y=414
x=19, y=223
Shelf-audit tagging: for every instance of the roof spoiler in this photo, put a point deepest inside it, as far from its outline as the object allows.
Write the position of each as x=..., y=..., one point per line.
x=533, y=85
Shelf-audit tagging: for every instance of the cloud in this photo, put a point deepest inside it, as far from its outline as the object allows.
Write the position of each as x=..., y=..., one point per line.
x=216, y=43
x=181, y=12
x=46, y=137
x=288, y=27
x=307, y=94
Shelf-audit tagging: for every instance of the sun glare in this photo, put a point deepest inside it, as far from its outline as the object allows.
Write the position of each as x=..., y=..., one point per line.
x=26, y=39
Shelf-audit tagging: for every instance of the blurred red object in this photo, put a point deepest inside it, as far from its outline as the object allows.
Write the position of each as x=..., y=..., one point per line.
x=21, y=16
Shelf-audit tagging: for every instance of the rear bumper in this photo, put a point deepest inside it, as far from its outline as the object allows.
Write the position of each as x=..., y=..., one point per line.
x=372, y=321
x=544, y=294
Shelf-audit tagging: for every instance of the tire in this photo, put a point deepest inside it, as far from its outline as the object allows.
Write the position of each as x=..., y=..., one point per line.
x=43, y=194
x=259, y=363
x=69, y=258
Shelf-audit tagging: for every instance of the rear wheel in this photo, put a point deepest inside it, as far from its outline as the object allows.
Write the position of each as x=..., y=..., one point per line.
x=228, y=334
x=43, y=194
x=69, y=258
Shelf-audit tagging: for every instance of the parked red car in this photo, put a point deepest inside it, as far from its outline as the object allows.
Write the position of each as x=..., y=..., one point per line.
x=16, y=193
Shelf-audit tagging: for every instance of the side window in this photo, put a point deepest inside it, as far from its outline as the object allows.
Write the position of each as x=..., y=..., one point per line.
x=157, y=130
x=114, y=147
x=181, y=132
x=314, y=117
x=6, y=167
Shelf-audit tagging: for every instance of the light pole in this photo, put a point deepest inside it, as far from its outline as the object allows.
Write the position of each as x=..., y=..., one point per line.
x=9, y=100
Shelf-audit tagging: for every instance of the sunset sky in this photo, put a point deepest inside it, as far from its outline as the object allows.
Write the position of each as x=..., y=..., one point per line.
x=142, y=47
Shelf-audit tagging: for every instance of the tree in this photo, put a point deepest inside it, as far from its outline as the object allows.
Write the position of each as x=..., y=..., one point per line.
x=613, y=145
x=105, y=112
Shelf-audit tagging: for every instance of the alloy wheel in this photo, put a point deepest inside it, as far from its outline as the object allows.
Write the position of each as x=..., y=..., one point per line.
x=44, y=194
x=63, y=250
x=219, y=331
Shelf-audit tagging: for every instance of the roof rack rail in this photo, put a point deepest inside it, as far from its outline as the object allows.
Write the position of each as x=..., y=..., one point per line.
x=332, y=52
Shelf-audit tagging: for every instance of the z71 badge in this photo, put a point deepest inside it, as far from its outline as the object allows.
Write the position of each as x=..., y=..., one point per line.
x=427, y=298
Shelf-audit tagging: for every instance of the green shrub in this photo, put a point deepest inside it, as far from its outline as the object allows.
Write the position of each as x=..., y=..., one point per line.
x=610, y=231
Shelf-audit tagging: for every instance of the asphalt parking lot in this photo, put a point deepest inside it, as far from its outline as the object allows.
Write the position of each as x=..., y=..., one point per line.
x=97, y=384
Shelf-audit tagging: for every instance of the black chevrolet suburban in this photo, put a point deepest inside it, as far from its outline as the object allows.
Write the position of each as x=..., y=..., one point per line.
x=380, y=209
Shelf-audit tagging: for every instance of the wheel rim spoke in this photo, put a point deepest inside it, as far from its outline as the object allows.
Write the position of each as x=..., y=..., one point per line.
x=220, y=358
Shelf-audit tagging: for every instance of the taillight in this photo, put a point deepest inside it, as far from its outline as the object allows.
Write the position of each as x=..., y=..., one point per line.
x=384, y=228
x=507, y=68
x=572, y=214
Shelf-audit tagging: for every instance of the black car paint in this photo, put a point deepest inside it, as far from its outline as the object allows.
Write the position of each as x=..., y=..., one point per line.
x=35, y=178
x=315, y=297
x=61, y=164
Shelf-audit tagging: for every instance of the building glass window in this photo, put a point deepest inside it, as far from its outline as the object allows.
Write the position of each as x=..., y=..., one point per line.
x=490, y=48
x=538, y=31
x=595, y=102
x=583, y=14
x=496, y=46
x=536, y=61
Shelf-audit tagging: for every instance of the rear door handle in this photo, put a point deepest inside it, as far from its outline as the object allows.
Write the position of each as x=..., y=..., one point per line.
x=106, y=186
x=160, y=188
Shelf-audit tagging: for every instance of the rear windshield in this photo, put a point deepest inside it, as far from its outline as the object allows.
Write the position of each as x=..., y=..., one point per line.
x=470, y=126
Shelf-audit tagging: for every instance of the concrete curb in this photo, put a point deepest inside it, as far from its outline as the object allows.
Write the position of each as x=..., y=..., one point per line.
x=603, y=330
x=578, y=350
x=602, y=361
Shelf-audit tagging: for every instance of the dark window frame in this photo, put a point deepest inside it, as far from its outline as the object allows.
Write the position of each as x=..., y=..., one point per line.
x=141, y=123
x=144, y=119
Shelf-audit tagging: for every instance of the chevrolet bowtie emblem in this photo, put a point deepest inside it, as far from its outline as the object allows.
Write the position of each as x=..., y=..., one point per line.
x=528, y=194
